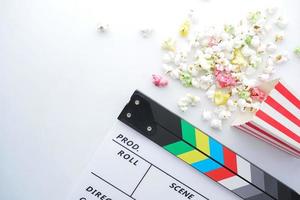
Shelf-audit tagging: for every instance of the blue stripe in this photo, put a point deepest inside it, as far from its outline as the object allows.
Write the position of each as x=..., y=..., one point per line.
x=216, y=150
x=206, y=165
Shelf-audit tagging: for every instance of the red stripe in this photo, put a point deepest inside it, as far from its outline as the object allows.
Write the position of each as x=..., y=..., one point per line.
x=274, y=104
x=292, y=151
x=229, y=161
x=271, y=136
x=220, y=174
x=287, y=94
x=262, y=115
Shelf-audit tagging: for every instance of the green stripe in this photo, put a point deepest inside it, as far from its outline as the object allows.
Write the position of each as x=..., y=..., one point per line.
x=178, y=148
x=188, y=132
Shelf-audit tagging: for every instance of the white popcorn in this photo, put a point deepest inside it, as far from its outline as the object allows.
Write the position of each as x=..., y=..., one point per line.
x=206, y=115
x=168, y=57
x=211, y=91
x=175, y=73
x=280, y=58
x=261, y=49
x=255, y=106
x=196, y=82
x=224, y=114
x=183, y=67
x=279, y=37
x=216, y=124
x=204, y=64
x=146, y=32
x=271, y=47
x=241, y=103
x=271, y=11
x=255, y=42
x=281, y=22
x=269, y=69
x=250, y=71
x=246, y=51
x=192, y=69
x=249, y=82
x=187, y=100
x=231, y=105
x=206, y=81
x=264, y=77
x=167, y=68
x=102, y=27
x=169, y=44
x=180, y=58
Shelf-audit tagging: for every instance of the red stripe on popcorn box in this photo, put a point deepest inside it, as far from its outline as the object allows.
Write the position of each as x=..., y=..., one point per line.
x=277, y=143
x=257, y=130
x=285, y=92
x=277, y=122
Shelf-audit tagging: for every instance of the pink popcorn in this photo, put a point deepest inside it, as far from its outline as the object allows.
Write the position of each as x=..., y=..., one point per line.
x=257, y=94
x=212, y=41
x=159, y=81
x=224, y=79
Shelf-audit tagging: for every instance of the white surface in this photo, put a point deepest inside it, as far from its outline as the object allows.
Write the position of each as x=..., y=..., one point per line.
x=62, y=84
x=149, y=176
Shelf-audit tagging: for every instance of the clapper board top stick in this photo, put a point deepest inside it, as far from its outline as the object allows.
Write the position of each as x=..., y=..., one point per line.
x=201, y=151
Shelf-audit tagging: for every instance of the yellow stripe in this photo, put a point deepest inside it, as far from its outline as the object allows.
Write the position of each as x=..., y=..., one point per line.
x=192, y=156
x=202, y=142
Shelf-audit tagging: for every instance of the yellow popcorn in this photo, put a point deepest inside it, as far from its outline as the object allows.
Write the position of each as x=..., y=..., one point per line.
x=185, y=28
x=221, y=98
x=238, y=58
x=169, y=45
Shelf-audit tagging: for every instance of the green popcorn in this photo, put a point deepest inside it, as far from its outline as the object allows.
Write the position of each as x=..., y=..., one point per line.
x=248, y=39
x=186, y=79
x=254, y=16
x=244, y=94
x=229, y=29
x=297, y=51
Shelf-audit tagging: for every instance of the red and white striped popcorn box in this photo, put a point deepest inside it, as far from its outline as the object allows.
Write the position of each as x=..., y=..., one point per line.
x=278, y=120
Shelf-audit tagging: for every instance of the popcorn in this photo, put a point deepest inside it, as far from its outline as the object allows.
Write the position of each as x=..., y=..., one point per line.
x=206, y=81
x=280, y=58
x=168, y=57
x=269, y=69
x=167, y=68
x=241, y=103
x=169, y=45
x=238, y=58
x=255, y=42
x=264, y=77
x=206, y=115
x=101, y=27
x=231, y=105
x=146, y=32
x=281, y=22
x=227, y=63
x=271, y=47
x=186, y=79
x=185, y=28
x=188, y=100
x=297, y=51
x=211, y=92
x=244, y=94
x=279, y=37
x=224, y=114
x=224, y=79
x=216, y=124
x=175, y=73
x=257, y=94
x=220, y=98
x=159, y=81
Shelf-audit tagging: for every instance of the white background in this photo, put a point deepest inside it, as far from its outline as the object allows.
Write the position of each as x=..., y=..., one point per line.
x=62, y=84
